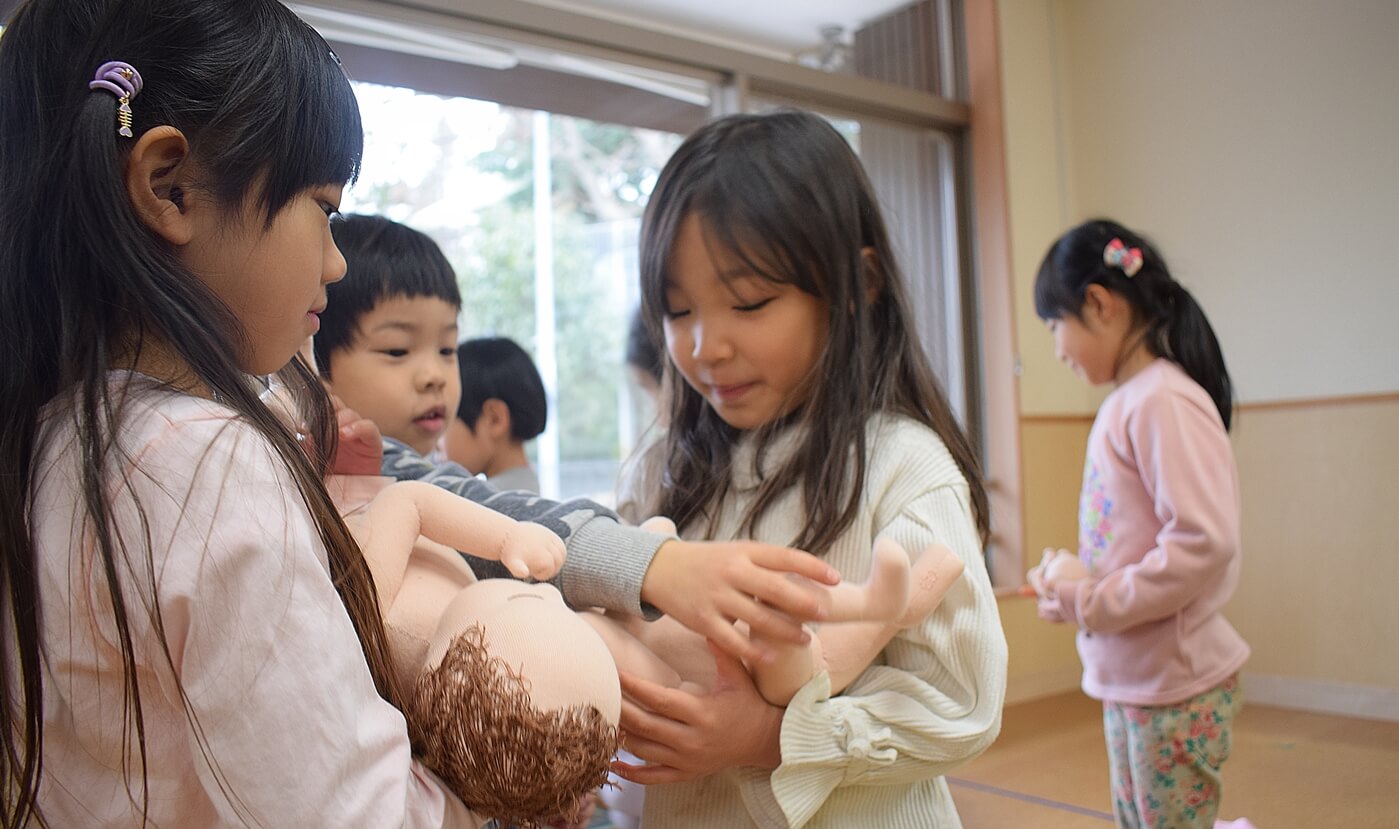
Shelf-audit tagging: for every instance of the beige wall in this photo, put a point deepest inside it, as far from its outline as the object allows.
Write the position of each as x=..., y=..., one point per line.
x=1321, y=528
x=1253, y=140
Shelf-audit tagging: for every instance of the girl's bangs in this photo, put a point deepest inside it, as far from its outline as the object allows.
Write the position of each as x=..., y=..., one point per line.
x=318, y=137
x=759, y=237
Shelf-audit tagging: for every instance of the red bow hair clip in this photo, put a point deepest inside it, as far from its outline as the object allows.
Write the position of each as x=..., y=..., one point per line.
x=1118, y=255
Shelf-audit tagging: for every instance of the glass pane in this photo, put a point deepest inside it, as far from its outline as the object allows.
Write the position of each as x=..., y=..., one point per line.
x=545, y=253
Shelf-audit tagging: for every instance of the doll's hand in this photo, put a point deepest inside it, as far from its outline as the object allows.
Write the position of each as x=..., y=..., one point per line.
x=1055, y=566
x=682, y=735
x=1058, y=567
x=1061, y=568
x=706, y=586
x=360, y=450
x=532, y=551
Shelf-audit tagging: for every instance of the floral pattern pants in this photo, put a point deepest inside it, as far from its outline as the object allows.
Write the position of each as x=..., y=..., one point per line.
x=1165, y=760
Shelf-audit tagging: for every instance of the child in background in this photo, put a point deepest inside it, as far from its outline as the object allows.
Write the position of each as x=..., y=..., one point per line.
x=388, y=340
x=189, y=625
x=808, y=415
x=502, y=406
x=1158, y=523
x=387, y=345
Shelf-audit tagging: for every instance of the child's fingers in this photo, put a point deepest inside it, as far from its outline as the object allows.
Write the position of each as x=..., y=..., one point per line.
x=765, y=622
x=788, y=560
x=649, y=774
x=722, y=632
x=651, y=719
x=791, y=597
x=658, y=704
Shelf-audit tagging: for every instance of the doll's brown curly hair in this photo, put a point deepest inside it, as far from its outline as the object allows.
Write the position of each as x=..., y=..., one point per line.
x=473, y=724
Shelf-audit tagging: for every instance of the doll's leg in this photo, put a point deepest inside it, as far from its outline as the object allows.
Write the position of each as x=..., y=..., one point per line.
x=845, y=649
x=883, y=597
x=879, y=601
x=849, y=648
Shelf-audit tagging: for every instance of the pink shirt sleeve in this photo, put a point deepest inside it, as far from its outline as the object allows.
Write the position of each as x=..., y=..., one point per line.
x=1185, y=464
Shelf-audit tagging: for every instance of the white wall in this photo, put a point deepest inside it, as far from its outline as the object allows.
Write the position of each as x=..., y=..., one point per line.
x=1257, y=141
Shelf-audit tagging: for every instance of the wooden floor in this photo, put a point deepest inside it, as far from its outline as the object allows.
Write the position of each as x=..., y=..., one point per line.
x=1048, y=770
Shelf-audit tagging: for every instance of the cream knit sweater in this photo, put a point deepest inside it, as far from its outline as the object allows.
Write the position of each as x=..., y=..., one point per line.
x=876, y=754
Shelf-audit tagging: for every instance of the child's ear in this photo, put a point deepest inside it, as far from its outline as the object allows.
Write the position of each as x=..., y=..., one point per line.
x=1099, y=304
x=494, y=420
x=154, y=172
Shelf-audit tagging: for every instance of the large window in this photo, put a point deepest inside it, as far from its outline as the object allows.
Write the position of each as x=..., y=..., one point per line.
x=538, y=213
x=525, y=138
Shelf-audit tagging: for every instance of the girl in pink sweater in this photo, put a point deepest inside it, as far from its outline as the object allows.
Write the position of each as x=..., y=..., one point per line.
x=1158, y=523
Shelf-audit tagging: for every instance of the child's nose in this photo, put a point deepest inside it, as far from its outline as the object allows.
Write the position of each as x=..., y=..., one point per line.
x=431, y=375
x=333, y=266
x=712, y=343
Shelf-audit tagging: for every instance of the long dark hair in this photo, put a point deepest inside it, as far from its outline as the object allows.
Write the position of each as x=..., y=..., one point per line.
x=268, y=113
x=784, y=192
x=1174, y=324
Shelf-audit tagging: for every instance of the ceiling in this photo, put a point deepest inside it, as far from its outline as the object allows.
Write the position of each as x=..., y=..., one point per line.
x=777, y=28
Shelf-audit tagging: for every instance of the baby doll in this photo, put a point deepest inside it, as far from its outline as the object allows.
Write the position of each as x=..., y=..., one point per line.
x=518, y=733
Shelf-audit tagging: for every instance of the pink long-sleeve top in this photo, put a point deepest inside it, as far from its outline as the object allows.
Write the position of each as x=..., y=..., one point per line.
x=288, y=729
x=1159, y=532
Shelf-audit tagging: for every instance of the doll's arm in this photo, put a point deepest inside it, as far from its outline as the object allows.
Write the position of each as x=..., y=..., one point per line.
x=407, y=509
x=864, y=618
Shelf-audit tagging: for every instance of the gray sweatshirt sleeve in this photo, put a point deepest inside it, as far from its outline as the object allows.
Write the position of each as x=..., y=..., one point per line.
x=606, y=561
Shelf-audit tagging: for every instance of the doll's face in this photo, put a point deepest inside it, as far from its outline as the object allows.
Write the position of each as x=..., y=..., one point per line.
x=530, y=628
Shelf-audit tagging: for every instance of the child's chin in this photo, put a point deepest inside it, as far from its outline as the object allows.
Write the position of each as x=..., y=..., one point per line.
x=416, y=442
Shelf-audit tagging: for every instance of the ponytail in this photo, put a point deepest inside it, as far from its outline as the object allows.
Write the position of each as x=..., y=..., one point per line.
x=1176, y=326
x=1189, y=341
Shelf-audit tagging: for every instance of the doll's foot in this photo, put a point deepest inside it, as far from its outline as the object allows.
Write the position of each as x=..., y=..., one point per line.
x=889, y=585
x=933, y=574
x=884, y=595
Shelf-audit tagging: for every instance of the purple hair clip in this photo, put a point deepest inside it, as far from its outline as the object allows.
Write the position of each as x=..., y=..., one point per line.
x=122, y=80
